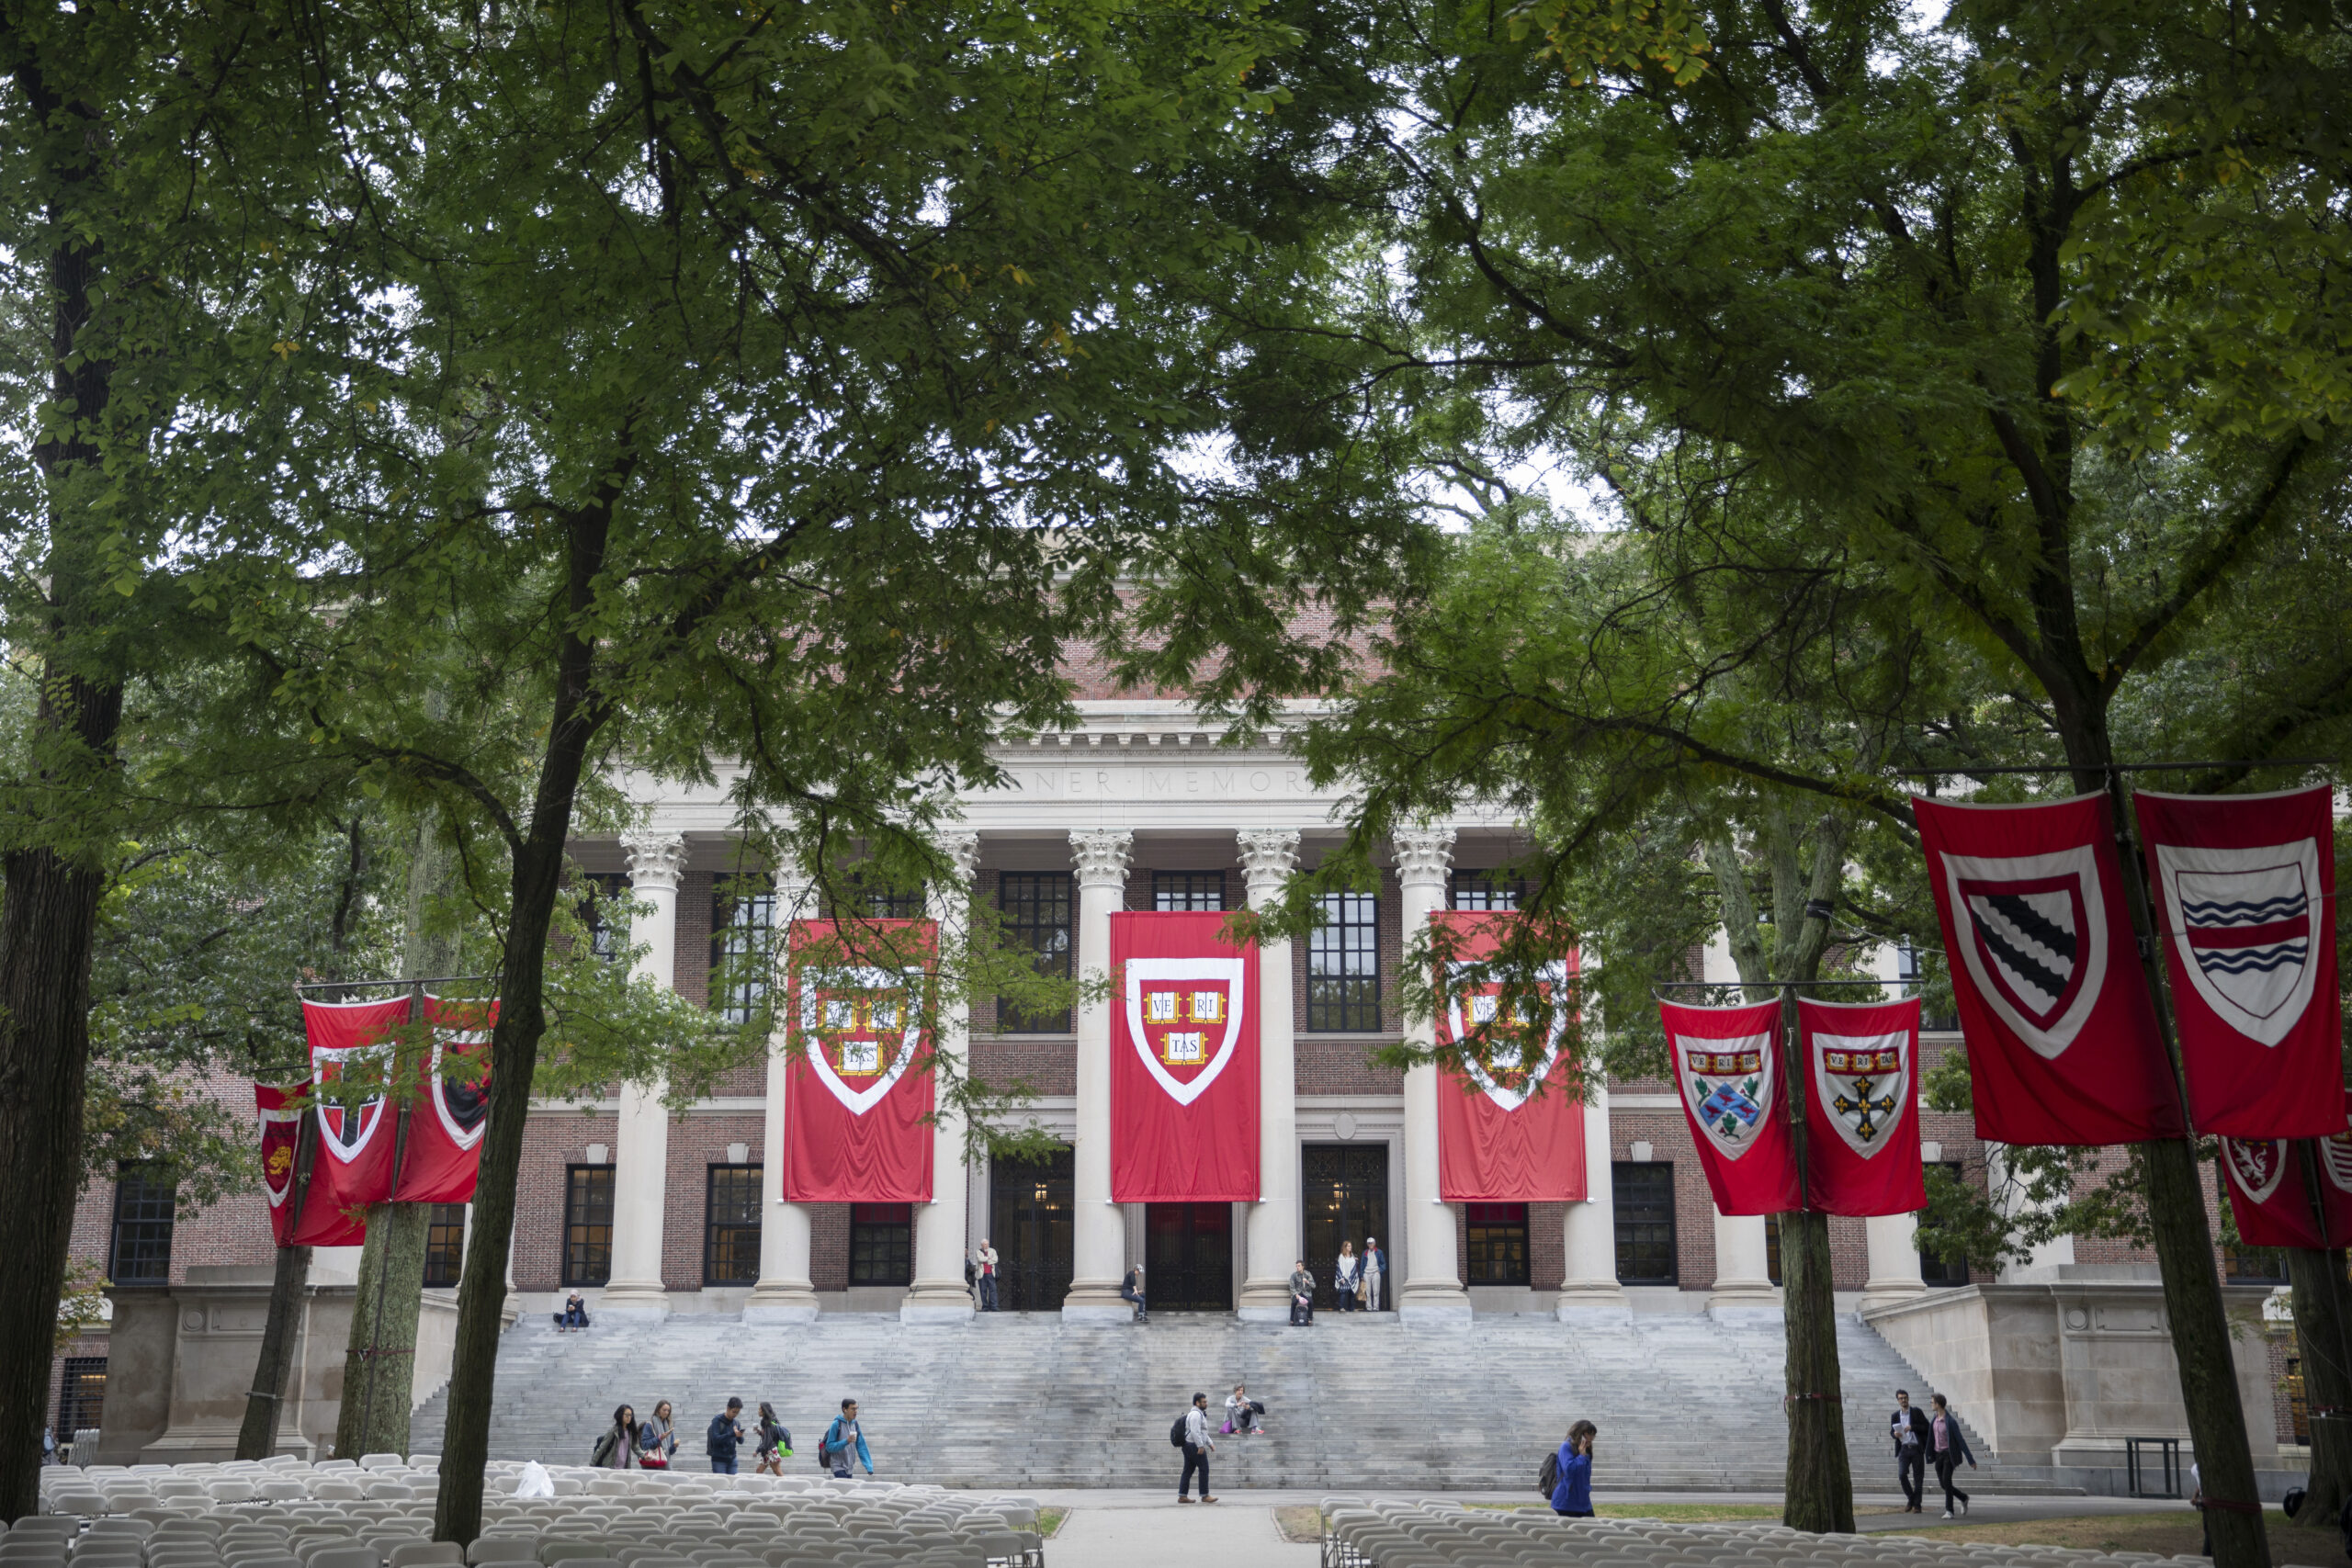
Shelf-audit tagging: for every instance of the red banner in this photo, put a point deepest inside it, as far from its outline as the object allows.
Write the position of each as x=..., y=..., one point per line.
x=1861, y=1106
x=1498, y=1140
x=281, y=1111
x=1727, y=1063
x=858, y=1089
x=2270, y=1201
x=353, y=1166
x=1184, y=1061
x=2062, y=1038
x=442, y=1152
x=2244, y=889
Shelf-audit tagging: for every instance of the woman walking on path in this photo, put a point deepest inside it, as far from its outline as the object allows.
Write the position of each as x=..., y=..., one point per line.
x=616, y=1450
x=1947, y=1448
x=1572, y=1497
x=1343, y=1277
x=658, y=1440
x=776, y=1443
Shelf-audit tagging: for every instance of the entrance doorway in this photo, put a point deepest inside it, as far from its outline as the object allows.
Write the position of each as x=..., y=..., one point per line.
x=1029, y=1224
x=1188, y=1257
x=1346, y=1198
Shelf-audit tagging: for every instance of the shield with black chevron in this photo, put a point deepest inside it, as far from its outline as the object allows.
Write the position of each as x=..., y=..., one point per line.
x=2035, y=939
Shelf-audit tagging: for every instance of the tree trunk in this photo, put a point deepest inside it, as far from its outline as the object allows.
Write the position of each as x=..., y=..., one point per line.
x=2317, y=1279
x=1819, y=1485
x=379, y=1363
x=258, y=1437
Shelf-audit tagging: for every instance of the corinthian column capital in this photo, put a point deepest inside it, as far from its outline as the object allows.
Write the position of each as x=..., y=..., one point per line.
x=1424, y=856
x=1101, y=855
x=1268, y=856
x=654, y=859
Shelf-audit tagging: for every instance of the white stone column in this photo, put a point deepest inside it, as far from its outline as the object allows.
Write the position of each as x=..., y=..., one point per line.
x=938, y=1295
x=1894, y=1259
x=1432, y=1288
x=784, y=1293
x=641, y=1142
x=1588, y=1230
x=1268, y=856
x=1743, y=1266
x=1098, y=1234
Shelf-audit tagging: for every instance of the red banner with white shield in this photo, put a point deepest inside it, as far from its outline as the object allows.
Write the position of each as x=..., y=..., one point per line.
x=353, y=1168
x=1861, y=1106
x=1727, y=1063
x=1184, y=1061
x=1510, y=1116
x=858, y=1090
x=441, y=1154
x=293, y=1222
x=2244, y=889
x=2270, y=1201
x=2063, y=1045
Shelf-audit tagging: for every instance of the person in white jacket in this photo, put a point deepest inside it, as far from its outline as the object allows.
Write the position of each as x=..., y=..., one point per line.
x=1198, y=1445
x=1343, y=1277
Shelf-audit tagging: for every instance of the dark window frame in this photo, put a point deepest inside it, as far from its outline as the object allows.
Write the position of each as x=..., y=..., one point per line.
x=1343, y=966
x=742, y=914
x=445, y=1245
x=1477, y=890
x=1032, y=926
x=77, y=1408
x=145, y=1214
x=605, y=939
x=730, y=1224
x=881, y=1245
x=1651, y=1223
x=1935, y=1270
x=582, y=1248
x=1495, y=1244
x=2244, y=1265
x=1177, y=891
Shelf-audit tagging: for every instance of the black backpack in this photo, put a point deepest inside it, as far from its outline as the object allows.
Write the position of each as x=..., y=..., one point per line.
x=1547, y=1480
x=1176, y=1433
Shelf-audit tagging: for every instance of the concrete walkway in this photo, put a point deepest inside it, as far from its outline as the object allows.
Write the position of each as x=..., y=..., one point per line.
x=1139, y=1536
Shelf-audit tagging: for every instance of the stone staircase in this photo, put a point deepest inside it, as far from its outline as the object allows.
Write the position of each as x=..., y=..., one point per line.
x=1355, y=1402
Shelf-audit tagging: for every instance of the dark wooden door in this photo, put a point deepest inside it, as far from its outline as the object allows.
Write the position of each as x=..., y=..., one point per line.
x=1030, y=1226
x=1346, y=1199
x=1188, y=1257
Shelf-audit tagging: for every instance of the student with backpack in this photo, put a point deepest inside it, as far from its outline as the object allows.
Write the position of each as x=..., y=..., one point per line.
x=774, y=1441
x=842, y=1439
x=723, y=1438
x=1191, y=1433
x=616, y=1450
x=1571, y=1470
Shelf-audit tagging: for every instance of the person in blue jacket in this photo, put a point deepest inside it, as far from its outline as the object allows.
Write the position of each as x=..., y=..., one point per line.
x=845, y=1438
x=1572, y=1498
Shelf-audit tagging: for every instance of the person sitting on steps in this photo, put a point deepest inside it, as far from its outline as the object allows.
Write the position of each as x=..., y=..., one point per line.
x=1131, y=1290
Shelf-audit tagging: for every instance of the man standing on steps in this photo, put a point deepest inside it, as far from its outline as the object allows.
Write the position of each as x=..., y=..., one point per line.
x=1198, y=1445
x=1375, y=1265
x=986, y=1261
x=1910, y=1431
x=1301, y=1297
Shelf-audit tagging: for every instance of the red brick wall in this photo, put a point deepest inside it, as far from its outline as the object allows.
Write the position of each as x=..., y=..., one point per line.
x=552, y=1140
x=697, y=1143
x=1326, y=1065
x=1668, y=1134
x=829, y=1245
x=1048, y=1063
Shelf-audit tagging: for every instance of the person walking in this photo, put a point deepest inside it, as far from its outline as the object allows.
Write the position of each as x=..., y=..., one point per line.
x=1198, y=1445
x=986, y=1260
x=1572, y=1495
x=1301, y=1297
x=1131, y=1290
x=1375, y=1266
x=772, y=1442
x=657, y=1440
x=725, y=1436
x=616, y=1450
x=842, y=1439
x=1241, y=1414
x=1343, y=1276
x=1908, y=1429
x=1951, y=1447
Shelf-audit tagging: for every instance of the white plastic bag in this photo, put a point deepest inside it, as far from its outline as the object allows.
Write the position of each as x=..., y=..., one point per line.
x=535, y=1481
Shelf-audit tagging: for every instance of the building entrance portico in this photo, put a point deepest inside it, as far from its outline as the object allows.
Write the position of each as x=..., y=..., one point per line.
x=1345, y=1199
x=1030, y=1228
x=1188, y=1257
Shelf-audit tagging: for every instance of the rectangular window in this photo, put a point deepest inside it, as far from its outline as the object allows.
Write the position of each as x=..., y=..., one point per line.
x=881, y=1244
x=742, y=913
x=873, y=901
x=1343, y=965
x=1182, y=890
x=1483, y=890
x=144, y=1204
x=1036, y=907
x=587, y=1224
x=1497, y=1240
x=1644, y=1201
x=730, y=1246
x=81, y=1398
x=1938, y=1271
x=607, y=923
x=445, y=1244
x=2254, y=1265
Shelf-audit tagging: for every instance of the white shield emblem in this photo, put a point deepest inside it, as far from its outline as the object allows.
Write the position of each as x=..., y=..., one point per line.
x=858, y=1023
x=1183, y=1020
x=2032, y=932
x=2241, y=922
x=1506, y=1056
x=2335, y=1159
x=1861, y=1081
x=461, y=1103
x=1727, y=1084
x=349, y=1129
x=2257, y=1166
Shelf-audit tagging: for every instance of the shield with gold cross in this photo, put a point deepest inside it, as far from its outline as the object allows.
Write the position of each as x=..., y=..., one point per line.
x=1862, y=1080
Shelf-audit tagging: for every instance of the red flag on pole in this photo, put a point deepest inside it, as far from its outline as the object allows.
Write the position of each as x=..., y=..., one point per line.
x=859, y=1090
x=443, y=1152
x=2246, y=894
x=2271, y=1202
x=354, y=1164
x=2063, y=1045
x=1727, y=1063
x=1499, y=1141
x=1184, y=1061
x=317, y=1225
x=1862, y=1108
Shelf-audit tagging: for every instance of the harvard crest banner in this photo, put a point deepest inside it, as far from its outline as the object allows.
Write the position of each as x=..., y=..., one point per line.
x=442, y=1153
x=2062, y=1039
x=2271, y=1202
x=1184, y=1061
x=353, y=1166
x=858, y=1089
x=1861, y=1106
x=2245, y=891
x=1726, y=1062
x=1499, y=1141
x=293, y=1223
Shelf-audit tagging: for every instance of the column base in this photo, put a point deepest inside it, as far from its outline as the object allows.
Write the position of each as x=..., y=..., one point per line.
x=633, y=1301
x=781, y=1300
x=1096, y=1300
x=1593, y=1303
x=1264, y=1301
x=1744, y=1299
x=1890, y=1292
x=1445, y=1306
x=936, y=1301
